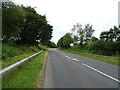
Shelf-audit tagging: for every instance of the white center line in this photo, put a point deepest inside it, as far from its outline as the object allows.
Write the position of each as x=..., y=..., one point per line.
x=68, y=57
x=75, y=59
x=101, y=72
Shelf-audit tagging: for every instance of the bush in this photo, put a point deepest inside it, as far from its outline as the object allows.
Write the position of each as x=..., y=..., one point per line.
x=108, y=48
x=104, y=47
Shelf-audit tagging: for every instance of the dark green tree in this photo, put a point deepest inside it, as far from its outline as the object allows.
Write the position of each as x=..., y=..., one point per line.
x=52, y=44
x=60, y=43
x=67, y=40
x=94, y=39
x=112, y=35
x=104, y=35
x=35, y=28
x=12, y=19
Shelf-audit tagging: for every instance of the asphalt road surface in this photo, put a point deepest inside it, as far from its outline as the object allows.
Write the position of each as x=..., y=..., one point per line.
x=65, y=70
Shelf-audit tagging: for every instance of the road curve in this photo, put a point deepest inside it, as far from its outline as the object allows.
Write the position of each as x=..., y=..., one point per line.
x=65, y=70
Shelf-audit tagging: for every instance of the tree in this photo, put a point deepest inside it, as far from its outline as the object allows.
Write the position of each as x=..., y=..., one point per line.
x=52, y=44
x=77, y=33
x=74, y=35
x=75, y=40
x=104, y=35
x=7, y=4
x=60, y=43
x=112, y=35
x=24, y=25
x=13, y=17
x=65, y=41
x=88, y=33
x=82, y=35
x=118, y=34
x=94, y=39
x=30, y=27
x=46, y=34
x=35, y=28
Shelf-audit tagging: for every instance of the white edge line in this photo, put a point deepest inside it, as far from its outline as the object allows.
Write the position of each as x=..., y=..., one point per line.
x=101, y=72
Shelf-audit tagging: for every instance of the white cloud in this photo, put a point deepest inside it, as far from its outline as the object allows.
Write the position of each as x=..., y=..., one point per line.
x=63, y=14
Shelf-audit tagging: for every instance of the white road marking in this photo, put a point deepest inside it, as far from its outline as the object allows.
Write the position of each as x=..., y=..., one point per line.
x=68, y=57
x=75, y=59
x=101, y=72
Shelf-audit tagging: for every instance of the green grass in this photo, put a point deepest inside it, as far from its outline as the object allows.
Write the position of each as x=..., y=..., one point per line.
x=103, y=59
x=13, y=53
x=9, y=51
x=42, y=47
x=26, y=76
x=15, y=59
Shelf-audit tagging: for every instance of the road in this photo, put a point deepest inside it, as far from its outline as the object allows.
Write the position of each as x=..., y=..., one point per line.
x=65, y=70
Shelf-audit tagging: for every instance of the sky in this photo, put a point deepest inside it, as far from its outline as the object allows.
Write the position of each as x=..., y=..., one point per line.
x=63, y=14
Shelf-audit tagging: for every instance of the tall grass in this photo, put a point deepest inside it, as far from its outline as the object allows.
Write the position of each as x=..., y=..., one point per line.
x=14, y=50
x=14, y=53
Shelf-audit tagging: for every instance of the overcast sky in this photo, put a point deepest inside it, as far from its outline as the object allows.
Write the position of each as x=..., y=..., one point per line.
x=63, y=14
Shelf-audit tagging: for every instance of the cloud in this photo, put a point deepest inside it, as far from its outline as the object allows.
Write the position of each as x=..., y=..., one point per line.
x=63, y=14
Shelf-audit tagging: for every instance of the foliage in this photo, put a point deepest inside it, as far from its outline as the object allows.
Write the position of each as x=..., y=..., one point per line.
x=65, y=41
x=82, y=35
x=111, y=35
x=60, y=43
x=88, y=33
x=35, y=29
x=24, y=25
x=108, y=48
x=84, y=41
x=94, y=39
x=9, y=51
x=52, y=44
x=12, y=18
x=100, y=58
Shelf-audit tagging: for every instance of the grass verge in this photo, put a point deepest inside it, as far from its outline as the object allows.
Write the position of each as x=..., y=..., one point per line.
x=15, y=59
x=12, y=54
x=40, y=80
x=103, y=59
x=26, y=76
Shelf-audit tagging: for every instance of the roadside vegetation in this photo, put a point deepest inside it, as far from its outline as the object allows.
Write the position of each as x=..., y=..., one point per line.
x=81, y=40
x=107, y=59
x=27, y=75
x=24, y=32
x=13, y=53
